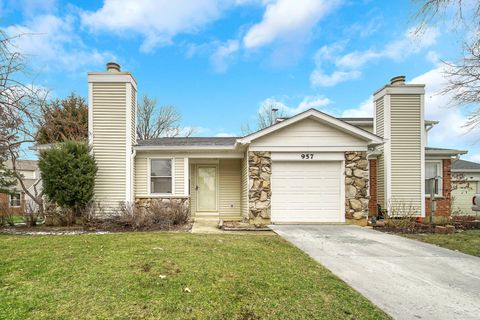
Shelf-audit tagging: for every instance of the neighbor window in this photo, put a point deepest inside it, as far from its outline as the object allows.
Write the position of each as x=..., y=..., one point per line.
x=161, y=181
x=433, y=169
x=14, y=200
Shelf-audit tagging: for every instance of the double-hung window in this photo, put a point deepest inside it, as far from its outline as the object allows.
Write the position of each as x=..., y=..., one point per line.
x=14, y=200
x=161, y=176
x=433, y=169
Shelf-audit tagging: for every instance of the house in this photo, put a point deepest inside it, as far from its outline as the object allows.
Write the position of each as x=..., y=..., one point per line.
x=465, y=184
x=310, y=168
x=17, y=201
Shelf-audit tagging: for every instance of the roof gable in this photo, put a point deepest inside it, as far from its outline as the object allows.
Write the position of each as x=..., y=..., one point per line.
x=322, y=118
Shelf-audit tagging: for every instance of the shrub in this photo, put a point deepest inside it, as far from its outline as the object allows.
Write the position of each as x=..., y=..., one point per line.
x=157, y=215
x=31, y=214
x=6, y=215
x=68, y=174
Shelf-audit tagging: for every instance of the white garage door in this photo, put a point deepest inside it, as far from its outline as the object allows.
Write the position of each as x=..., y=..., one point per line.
x=306, y=192
x=462, y=195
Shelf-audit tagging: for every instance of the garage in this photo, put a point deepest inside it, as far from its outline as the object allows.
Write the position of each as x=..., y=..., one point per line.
x=462, y=195
x=306, y=191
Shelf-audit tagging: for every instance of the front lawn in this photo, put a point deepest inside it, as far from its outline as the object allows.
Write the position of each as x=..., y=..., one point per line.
x=465, y=241
x=146, y=275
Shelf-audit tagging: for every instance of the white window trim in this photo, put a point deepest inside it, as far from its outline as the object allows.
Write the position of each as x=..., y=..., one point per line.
x=10, y=201
x=149, y=174
x=439, y=173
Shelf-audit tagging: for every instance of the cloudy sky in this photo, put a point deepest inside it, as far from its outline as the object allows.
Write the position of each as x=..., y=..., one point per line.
x=219, y=61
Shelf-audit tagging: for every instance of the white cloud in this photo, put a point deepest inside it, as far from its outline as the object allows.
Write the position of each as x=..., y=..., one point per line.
x=433, y=57
x=225, y=134
x=158, y=21
x=312, y=102
x=287, y=20
x=364, y=110
x=307, y=102
x=348, y=66
x=52, y=42
x=222, y=55
x=410, y=43
x=451, y=131
x=319, y=78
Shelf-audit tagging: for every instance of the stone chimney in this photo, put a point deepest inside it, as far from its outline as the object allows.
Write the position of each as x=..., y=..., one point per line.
x=112, y=134
x=399, y=119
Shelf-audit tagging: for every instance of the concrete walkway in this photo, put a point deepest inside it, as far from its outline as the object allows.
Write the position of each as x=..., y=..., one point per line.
x=406, y=278
x=209, y=226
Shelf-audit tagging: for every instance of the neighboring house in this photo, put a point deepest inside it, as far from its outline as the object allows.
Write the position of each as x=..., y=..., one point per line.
x=465, y=184
x=17, y=201
x=309, y=168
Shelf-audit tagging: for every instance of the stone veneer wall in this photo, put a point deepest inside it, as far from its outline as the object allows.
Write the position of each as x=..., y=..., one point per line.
x=372, y=204
x=356, y=185
x=259, y=191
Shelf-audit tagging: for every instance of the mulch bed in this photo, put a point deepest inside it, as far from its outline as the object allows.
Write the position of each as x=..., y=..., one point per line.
x=460, y=224
x=97, y=228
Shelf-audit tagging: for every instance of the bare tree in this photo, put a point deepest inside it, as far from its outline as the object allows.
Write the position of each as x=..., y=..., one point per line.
x=162, y=123
x=267, y=116
x=464, y=75
x=20, y=110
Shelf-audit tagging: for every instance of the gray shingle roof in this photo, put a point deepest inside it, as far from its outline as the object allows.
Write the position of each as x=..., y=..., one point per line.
x=190, y=141
x=356, y=119
x=465, y=165
x=27, y=165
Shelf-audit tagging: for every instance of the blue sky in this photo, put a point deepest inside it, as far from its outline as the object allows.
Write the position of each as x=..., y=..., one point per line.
x=218, y=62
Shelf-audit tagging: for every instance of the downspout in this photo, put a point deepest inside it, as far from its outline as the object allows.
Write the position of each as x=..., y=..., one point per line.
x=132, y=178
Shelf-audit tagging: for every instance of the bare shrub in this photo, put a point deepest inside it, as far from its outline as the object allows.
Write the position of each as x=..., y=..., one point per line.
x=157, y=215
x=31, y=214
x=58, y=216
x=402, y=216
x=6, y=215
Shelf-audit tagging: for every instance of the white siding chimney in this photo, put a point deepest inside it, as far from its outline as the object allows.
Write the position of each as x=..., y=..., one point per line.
x=112, y=134
x=399, y=118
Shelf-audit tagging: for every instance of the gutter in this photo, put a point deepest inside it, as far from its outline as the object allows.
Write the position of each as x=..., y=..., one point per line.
x=193, y=148
x=445, y=152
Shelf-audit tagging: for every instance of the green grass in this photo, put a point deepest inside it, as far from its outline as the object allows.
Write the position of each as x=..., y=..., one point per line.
x=466, y=241
x=118, y=276
x=17, y=219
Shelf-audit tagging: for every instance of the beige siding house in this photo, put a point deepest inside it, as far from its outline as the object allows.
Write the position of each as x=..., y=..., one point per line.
x=310, y=168
x=465, y=185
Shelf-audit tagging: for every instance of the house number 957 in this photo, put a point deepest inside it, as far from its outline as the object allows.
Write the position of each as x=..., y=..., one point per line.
x=306, y=156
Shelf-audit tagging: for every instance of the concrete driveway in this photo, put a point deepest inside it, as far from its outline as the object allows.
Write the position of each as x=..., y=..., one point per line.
x=406, y=278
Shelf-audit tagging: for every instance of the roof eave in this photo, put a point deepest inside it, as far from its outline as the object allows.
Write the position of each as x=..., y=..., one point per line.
x=451, y=152
x=342, y=125
x=173, y=148
x=466, y=170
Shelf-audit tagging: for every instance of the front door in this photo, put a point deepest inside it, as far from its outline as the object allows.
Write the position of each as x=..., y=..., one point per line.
x=206, y=188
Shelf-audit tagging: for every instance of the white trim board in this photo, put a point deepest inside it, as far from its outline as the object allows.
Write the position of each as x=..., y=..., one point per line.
x=164, y=195
x=308, y=149
x=112, y=77
x=316, y=156
x=128, y=144
x=320, y=116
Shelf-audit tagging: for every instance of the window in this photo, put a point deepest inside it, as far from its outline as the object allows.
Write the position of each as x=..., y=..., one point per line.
x=161, y=180
x=433, y=169
x=14, y=200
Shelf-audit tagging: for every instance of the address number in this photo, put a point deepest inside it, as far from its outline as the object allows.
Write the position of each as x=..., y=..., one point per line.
x=307, y=156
